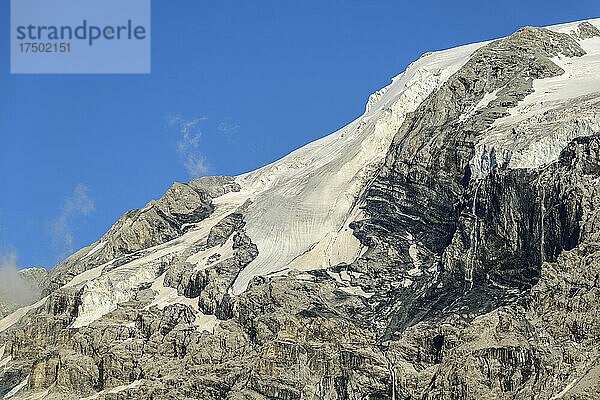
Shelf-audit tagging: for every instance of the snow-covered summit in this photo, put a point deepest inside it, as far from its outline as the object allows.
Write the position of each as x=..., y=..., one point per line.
x=560, y=109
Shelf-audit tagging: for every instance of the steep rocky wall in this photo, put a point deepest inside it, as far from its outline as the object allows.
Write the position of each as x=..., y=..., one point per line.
x=159, y=222
x=473, y=286
x=416, y=207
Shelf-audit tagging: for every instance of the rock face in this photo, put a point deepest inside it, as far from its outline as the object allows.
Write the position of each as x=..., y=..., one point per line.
x=159, y=222
x=466, y=265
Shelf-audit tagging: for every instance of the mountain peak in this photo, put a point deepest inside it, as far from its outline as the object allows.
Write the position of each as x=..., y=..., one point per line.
x=443, y=245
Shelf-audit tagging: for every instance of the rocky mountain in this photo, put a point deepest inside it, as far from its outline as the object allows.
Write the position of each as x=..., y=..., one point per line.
x=444, y=245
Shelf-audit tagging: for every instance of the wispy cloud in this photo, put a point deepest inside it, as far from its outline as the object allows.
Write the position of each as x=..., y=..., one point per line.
x=13, y=288
x=188, y=144
x=76, y=204
x=227, y=125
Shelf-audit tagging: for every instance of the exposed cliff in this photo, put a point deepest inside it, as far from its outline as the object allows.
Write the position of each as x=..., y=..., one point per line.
x=445, y=245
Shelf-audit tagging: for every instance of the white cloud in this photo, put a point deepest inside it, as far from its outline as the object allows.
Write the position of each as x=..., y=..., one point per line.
x=195, y=164
x=188, y=144
x=227, y=125
x=13, y=288
x=61, y=230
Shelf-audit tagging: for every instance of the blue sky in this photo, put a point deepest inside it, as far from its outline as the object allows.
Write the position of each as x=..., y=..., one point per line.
x=247, y=82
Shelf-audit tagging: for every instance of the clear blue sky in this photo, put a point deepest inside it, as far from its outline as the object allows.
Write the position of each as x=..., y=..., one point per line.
x=259, y=78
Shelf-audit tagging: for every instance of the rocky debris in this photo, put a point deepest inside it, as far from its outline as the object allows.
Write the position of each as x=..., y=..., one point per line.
x=515, y=351
x=159, y=222
x=212, y=282
x=586, y=30
x=224, y=229
x=135, y=349
x=215, y=186
x=215, y=282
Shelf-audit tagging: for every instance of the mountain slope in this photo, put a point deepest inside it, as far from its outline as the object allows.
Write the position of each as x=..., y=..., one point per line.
x=445, y=245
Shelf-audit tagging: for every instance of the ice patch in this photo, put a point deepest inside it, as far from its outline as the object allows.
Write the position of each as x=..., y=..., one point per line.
x=38, y=395
x=344, y=275
x=559, y=110
x=168, y=296
x=413, y=252
x=580, y=78
x=202, y=258
x=483, y=103
x=356, y=291
x=406, y=282
x=96, y=248
x=565, y=390
x=115, y=390
x=335, y=276
x=302, y=202
x=4, y=362
x=103, y=293
x=86, y=276
x=16, y=389
x=16, y=316
x=305, y=277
